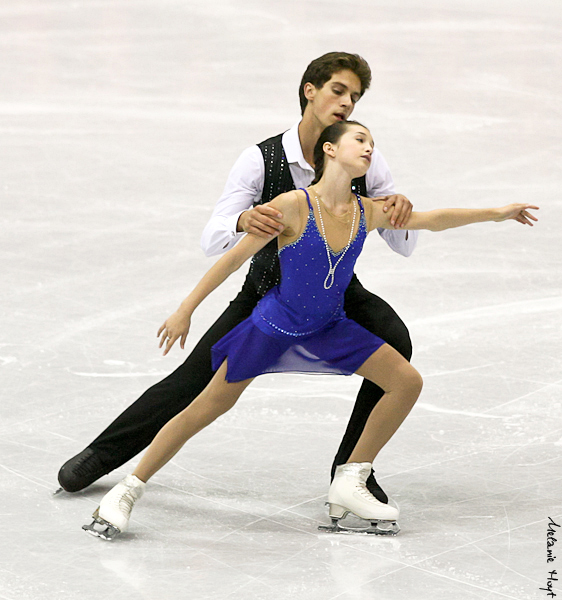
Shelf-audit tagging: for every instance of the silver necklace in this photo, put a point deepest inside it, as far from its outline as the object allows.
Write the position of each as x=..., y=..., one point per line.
x=329, y=281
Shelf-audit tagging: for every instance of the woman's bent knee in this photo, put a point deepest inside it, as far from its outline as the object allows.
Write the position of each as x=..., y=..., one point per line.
x=412, y=381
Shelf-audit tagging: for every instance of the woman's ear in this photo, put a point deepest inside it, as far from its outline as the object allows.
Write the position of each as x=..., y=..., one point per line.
x=329, y=149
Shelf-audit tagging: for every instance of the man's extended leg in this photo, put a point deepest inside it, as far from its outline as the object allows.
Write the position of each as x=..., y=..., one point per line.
x=377, y=316
x=134, y=429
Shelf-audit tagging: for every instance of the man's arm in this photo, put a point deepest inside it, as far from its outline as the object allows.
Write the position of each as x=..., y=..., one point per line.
x=233, y=214
x=380, y=183
x=243, y=187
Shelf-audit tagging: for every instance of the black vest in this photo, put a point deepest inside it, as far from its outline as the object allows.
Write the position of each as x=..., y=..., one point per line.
x=264, y=269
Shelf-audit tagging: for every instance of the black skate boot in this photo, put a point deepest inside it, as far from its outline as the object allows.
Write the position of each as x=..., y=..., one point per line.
x=81, y=470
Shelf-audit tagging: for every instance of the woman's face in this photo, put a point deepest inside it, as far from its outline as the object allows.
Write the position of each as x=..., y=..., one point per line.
x=354, y=149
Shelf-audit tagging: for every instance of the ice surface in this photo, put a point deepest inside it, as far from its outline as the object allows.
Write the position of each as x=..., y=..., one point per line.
x=119, y=122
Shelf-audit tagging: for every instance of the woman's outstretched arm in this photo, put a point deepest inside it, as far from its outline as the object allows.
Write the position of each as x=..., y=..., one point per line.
x=176, y=326
x=447, y=218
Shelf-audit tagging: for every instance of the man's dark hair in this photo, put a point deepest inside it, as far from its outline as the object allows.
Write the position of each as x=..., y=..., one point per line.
x=321, y=69
x=331, y=134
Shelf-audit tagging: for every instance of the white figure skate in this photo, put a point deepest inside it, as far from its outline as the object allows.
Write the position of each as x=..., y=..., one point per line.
x=349, y=494
x=111, y=517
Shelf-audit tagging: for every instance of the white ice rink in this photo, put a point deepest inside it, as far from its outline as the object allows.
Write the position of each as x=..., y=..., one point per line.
x=119, y=122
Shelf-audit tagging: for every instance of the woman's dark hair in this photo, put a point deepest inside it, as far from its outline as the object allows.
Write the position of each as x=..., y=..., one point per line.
x=331, y=134
x=321, y=69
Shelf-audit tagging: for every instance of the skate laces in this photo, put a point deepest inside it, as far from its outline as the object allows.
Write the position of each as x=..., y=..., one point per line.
x=128, y=500
x=362, y=489
x=358, y=473
x=124, y=495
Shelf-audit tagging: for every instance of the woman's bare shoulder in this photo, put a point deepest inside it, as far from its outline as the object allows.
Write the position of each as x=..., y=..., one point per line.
x=288, y=199
x=291, y=206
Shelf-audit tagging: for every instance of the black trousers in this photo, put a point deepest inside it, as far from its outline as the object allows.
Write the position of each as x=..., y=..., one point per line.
x=134, y=429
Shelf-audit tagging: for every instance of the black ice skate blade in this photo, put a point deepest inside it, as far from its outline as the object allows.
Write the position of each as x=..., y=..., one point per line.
x=385, y=528
x=102, y=529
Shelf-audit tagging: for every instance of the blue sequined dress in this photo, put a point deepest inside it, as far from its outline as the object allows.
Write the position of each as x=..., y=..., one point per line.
x=299, y=326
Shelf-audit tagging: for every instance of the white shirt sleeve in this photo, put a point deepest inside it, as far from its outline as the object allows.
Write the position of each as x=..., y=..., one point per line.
x=243, y=187
x=380, y=183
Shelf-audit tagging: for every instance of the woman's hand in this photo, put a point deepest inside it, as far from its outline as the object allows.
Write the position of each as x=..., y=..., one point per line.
x=174, y=327
x=517, y=212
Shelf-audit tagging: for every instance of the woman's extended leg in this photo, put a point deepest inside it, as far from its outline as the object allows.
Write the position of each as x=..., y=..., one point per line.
x=112, y=516
x=216, y=399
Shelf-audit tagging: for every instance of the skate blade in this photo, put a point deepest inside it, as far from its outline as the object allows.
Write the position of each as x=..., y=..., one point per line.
x=58, y=491
x=101, y=528
x=385, y=528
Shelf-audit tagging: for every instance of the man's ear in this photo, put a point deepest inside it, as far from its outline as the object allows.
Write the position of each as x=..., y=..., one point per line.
x=309, y=91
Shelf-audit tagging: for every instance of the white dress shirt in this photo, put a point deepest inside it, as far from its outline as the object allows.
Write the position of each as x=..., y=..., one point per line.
x=244, y=186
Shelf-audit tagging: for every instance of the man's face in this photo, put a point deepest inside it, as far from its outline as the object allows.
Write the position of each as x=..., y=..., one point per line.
x=336, y=99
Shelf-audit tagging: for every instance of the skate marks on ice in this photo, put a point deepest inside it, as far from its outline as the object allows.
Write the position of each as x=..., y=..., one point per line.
x=127, y=149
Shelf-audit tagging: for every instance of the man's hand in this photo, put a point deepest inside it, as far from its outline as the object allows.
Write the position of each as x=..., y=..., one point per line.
x=261, y=221
x=401, y=209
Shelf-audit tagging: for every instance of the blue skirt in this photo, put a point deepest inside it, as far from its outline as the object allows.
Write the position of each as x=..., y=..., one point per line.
x=339, y=348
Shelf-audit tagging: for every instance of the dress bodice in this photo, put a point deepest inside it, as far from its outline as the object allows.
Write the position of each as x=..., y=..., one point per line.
x=300, y=304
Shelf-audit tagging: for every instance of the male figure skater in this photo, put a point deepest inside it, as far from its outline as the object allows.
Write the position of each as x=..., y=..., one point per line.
x=330, y=87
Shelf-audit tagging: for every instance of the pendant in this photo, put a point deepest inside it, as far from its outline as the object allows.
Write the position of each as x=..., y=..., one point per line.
x=329, y=281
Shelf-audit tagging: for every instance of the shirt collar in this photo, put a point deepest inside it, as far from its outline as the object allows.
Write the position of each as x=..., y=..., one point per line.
x=292, y=147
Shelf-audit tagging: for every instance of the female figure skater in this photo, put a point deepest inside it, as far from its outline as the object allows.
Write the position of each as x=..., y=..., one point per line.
x=300, y=326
